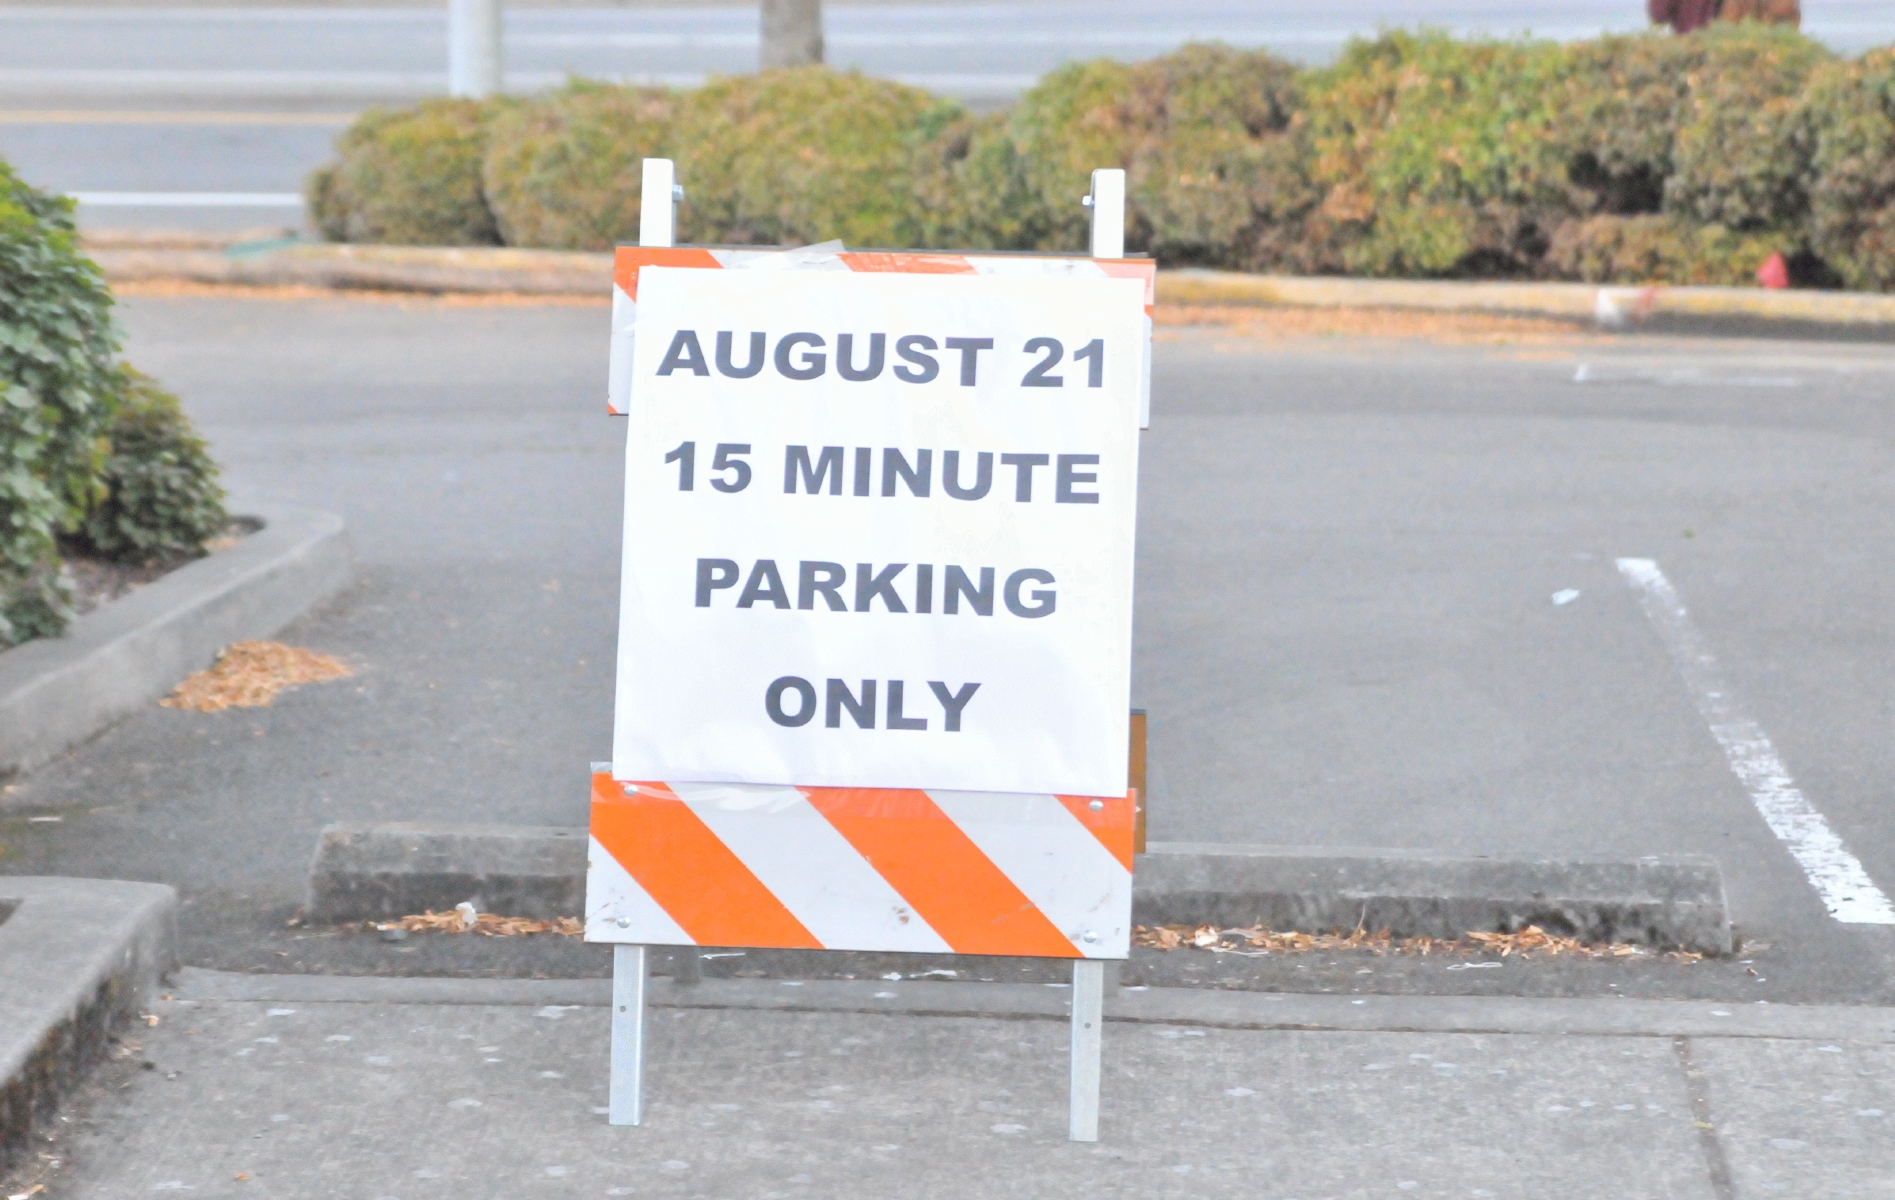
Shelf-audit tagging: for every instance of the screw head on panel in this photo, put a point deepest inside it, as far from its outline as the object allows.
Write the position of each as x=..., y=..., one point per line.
x=1097, y=806
x=1089, y=936
x=624, y=922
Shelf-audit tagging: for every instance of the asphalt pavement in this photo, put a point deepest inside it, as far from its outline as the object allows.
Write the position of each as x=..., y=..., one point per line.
x=1378, y=606
x=210, y=118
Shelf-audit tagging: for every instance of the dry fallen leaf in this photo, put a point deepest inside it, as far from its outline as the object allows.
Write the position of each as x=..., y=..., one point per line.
x=456, y=921
x=1529, y=941
x=250, y=674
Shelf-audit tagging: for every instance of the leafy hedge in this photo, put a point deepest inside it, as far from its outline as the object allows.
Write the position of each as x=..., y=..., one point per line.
x=91, y=453
x=1646, y=157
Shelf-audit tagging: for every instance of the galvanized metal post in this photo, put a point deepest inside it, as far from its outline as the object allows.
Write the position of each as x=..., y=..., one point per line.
x=625, y=1101
x=1088, y=1017
x=473, y=47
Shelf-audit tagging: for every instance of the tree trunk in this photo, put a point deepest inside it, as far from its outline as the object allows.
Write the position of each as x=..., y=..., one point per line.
x=792, y=33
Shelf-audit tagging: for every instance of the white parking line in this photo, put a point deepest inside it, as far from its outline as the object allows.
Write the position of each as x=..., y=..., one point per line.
x=1846, y=889
x=188, y=199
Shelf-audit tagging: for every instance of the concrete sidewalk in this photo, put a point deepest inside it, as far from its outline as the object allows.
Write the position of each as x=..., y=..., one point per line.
x=412, y=1088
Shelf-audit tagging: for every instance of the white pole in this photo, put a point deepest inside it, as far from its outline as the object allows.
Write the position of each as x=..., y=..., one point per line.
x=658, y=203
x=657, y=224
x=1107, y=203
x=1088, y=1016
x=625, y=1099
x=473, y=47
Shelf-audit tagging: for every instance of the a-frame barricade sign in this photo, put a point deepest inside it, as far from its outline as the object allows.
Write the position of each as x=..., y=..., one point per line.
x=875, y=613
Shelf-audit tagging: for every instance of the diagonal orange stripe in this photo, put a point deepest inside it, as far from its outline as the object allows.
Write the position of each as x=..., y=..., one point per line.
x=677, y=859
x=1113, y=825
x=910, y=264
x=626, y=262
x=955, y=888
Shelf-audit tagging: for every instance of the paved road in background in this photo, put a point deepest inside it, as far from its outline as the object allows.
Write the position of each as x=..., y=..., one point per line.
x=1377, y=606
x=90, y=97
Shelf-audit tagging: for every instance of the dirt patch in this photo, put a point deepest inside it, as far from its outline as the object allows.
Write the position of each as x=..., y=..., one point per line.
x=180, y=239
x=251, y=674
x=1459, y=327
x=174, y=288
x=96, y=581
x=1256, y=940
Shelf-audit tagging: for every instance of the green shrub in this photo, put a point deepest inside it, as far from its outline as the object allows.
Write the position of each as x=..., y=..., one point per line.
x=87, y=446
x=160, y=499
x=1620, y=105
x=1703, y=128
x=1219, y=171
x=1652, y=248
x=1737, y=160
x=1038, y=162
x=968, y=188
x=1210, y=138
x=1416, y=154
x=804, y=155
x=409, y=176
x=56, y=384
x=564, y=171
x=1438, y=156
x=1849, y=127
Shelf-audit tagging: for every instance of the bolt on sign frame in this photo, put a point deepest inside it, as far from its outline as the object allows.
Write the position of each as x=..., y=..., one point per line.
x=862, y=868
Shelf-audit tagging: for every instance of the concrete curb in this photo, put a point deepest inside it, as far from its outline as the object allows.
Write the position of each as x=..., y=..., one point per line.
x=1660, y=900
x=555, y=272
x=78, y=959
x=56, y=692
x=379, y=872
x=1201, y=1007
x=384, y=871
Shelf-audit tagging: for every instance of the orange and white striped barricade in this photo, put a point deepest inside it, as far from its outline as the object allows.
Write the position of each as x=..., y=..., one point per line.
x=964, y=789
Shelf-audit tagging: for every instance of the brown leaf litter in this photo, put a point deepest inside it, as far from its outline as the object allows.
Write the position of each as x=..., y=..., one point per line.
x=1531, y=942
x=1451, y=327
x=463, y=919
x=250, y=674
x=191, y=289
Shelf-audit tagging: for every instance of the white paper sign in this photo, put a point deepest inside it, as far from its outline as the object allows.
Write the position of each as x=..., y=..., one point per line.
x=879, y=531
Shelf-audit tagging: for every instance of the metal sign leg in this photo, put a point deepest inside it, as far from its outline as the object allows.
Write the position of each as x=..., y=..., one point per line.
x=1088, y=1017
x=626, y=1093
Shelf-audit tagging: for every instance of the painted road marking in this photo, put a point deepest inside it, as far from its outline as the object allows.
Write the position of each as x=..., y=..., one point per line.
x=1836, y=874
x=1679, y=377
x=188, y=199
